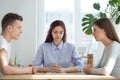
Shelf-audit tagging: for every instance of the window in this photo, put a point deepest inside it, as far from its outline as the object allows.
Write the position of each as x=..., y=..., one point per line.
x=60, y=10
x=71, y=12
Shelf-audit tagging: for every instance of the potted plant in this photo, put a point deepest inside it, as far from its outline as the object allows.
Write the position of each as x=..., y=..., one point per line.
x=111, y=11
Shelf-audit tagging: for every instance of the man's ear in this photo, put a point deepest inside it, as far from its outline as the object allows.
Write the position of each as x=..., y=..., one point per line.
x=9, y=27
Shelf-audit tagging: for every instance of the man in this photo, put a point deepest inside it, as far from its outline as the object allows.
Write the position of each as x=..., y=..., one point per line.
x=11, y=29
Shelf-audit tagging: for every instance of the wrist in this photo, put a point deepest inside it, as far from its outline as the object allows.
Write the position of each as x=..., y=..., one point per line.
x=64, y=69
x=44, y=69
x=28, y=70
x=47, y=69
x=32, y=70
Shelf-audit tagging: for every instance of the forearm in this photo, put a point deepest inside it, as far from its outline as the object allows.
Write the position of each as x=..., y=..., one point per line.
x=44, y=69
x=100, y=71
x=70, y=69
x=51, y=69
x=15, y=70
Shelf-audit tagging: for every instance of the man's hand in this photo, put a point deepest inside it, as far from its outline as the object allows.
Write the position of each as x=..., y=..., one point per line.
x=34, y=69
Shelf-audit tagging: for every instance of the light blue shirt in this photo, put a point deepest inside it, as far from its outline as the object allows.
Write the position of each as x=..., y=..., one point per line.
x=64, y=54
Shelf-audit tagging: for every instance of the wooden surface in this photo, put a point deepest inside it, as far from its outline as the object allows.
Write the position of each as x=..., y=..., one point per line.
x=56, y=76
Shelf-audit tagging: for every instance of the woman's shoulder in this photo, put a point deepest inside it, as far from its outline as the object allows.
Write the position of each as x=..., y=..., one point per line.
x=69, y=44
x=45, y=44
x=115, y=43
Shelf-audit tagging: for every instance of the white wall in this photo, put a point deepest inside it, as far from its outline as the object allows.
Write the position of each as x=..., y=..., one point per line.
x=25, y=47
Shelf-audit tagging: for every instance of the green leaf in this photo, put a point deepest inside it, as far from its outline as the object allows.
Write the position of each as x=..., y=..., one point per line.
x=85, y=23
x=114, y=13
x=89, y=31
x=118, y=8
x=111, y=3
x=84, y=28
x=84, y=19
x=96, y=6
x=102, y=15
x=15, y=60
x=117, y=20
x=116, y=2
x=89, y=16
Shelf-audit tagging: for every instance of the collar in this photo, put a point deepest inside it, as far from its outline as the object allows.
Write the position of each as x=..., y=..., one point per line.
x=59, y=46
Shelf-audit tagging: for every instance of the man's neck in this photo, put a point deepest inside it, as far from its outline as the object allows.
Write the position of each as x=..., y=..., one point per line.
x=6, y=36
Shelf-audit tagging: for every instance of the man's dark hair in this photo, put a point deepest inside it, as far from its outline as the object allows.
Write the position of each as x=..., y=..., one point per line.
x=9, y=18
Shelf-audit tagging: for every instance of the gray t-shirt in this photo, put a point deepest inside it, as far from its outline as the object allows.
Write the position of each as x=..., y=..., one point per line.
x=110, y=61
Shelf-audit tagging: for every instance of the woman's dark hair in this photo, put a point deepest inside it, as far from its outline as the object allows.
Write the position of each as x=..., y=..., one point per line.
x=54, y=24
x=9, y=18
x=105, y=23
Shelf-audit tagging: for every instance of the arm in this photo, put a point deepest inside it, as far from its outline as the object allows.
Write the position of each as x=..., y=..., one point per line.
x=53, y=68
x=70, y=69
x=57, y=68
x=39, y=58
x=43, y=69
x=5, y=68
x=10, y=63
x=76, y=60
x=108, y=67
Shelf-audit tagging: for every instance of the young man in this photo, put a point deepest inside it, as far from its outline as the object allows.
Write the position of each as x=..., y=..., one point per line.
x=11, y=29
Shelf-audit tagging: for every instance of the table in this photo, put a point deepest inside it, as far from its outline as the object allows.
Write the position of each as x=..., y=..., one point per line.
x=56, y=76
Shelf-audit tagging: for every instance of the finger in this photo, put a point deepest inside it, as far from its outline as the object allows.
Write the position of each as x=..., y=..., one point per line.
x=56, y=69
x=85, y=67
x=30, y=65
x=54, y=65
x=86, y=71
x=34, y=71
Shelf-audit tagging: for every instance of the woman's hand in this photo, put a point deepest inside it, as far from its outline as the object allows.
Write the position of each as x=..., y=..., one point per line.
x=56, y=68
x=87, y=69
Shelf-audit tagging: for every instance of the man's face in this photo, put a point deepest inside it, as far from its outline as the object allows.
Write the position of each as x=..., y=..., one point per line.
x=16, y=29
